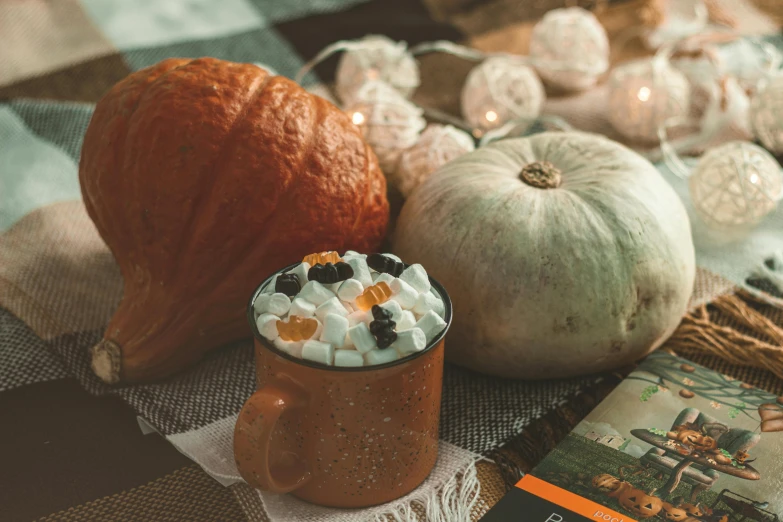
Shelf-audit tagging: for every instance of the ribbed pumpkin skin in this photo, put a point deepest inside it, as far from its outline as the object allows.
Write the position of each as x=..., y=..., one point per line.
x=203, y=177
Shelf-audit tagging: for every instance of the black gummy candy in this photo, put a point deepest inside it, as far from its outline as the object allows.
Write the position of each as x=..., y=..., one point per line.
x=288, y=284
x=379, y=312
x=330, y=273
x=382, y=327
x=384, y=264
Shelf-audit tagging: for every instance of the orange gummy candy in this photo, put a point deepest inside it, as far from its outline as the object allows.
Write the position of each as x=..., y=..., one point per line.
x=297, y=328
x=321, y=258
x=373, y=295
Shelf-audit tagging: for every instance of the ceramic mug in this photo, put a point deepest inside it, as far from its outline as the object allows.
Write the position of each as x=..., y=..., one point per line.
x=341, y=436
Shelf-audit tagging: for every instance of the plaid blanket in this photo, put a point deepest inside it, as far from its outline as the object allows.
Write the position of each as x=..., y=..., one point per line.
x=71, y=446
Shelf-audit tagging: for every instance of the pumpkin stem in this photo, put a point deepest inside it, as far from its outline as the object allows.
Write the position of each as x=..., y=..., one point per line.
x=106, y=361
x=541, y=174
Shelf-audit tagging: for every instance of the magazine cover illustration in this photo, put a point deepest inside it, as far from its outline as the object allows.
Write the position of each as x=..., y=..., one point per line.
x=674, y=441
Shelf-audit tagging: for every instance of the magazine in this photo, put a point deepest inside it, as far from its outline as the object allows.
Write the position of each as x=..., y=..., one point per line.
x=674, y=441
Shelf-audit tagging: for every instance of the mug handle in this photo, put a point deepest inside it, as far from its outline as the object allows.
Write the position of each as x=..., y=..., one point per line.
x=253, y=435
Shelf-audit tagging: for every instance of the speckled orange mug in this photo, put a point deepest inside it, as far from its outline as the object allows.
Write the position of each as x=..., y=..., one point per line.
x=341, y=436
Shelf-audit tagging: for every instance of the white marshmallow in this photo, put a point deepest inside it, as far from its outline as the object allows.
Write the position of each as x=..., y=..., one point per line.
x=267, y=326
x=416, y=276
x=348, y=306
x=380, y=356
x=315, y=292
x=301, y=272
x=301, y=308
x=277, y=304
x=270, y=288
x=359, y=316
x=410, y=341
x=394, y=307
x=353, y=253
x=431, y=324
x=362, y=338
x=378, y=277
x=348, y=358
x=350, y=289
x=335, y=329
x=332, y=306
x=290, y=347
x=318, y=329
x=361, y=272
x=428, y=301
x=318, y=352
x=407, y=321
x=348, y=345
x=403, y=293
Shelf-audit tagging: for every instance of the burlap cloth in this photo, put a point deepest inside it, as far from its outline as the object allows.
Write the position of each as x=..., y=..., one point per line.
x=66, y=454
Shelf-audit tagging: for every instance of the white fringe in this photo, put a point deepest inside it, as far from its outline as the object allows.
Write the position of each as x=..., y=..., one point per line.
x=453, y=502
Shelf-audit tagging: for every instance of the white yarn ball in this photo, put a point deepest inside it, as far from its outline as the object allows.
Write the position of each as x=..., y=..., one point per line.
x=390, y=123
x=376, y=58
x=735, y=185
x=570, y=49
x=437, y=145
x=643, y=94
x=766, y=114
x=500, y=89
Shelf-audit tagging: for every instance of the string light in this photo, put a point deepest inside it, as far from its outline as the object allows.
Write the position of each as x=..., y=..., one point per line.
x=569, y=49
x=501, y=89
x=389, y=123
x=644, y=94
x=735, y=185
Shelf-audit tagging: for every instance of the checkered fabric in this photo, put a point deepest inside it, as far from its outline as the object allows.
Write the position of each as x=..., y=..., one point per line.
x=71, y=446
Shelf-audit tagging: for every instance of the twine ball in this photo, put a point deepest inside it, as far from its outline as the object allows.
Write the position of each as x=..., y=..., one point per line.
x=390, y=123
x=735, y=185
x=500, y=89
x=376, y=57
x=570, y=49
x=766, y=114
x=437, y=145
x=643, y=94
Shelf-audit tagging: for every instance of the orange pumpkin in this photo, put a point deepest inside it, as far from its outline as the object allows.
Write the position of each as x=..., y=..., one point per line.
x=672, y=512
x=720, y=458
x=606, y=482
x=640, y=503
x=690, y=437
x=203, y=177
x=618, y=492
x=693, y=510
x=741, y=456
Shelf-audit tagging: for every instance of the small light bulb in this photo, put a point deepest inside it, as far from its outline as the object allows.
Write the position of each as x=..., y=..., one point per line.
x=754, y=178
x=491, y=116
x=357, y=118
x=644, y=94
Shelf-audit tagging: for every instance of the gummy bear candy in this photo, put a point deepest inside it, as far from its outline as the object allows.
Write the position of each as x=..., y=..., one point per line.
x=297, y=328
x=381, y=263
x=383, y=327
x=373, y=295
x=321, y=258
x=330, y=273
x=288, y=284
